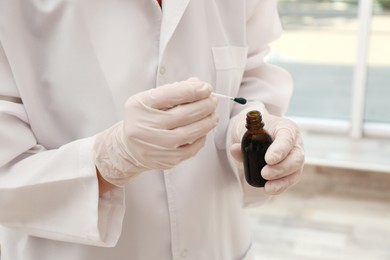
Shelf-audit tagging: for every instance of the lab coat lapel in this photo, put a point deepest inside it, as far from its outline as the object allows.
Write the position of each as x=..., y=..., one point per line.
x=173, y=11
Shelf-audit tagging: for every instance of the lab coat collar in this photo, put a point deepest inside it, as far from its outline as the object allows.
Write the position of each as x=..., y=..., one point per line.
x=173, y=11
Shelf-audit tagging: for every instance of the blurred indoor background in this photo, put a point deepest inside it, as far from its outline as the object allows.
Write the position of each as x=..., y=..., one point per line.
x=338, y=53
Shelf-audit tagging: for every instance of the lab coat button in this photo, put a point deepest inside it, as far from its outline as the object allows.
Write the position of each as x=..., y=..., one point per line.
x=162, y=70
x=184, y=253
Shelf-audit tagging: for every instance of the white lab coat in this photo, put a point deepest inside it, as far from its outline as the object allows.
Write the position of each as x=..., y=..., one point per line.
x=66, y=69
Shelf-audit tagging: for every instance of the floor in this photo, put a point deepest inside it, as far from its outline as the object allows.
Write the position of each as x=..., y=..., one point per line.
x=331, y=214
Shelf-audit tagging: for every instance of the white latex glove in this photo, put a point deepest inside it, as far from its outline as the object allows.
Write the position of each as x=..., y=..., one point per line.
x=161, y=128
x=285, y=156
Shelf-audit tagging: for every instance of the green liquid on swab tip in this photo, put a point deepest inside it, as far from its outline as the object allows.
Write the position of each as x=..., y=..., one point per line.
x=240, y=100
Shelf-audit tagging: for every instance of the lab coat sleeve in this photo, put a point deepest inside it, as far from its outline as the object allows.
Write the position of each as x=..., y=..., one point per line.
x=51, y=194
x=269, y=85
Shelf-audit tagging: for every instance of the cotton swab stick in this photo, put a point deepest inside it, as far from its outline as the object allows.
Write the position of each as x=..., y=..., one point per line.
x=239, y=100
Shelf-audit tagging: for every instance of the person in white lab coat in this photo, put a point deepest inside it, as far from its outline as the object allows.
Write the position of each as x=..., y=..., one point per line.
x=111, y=143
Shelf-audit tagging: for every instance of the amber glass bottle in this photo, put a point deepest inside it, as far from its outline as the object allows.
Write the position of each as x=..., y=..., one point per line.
x=254, y=144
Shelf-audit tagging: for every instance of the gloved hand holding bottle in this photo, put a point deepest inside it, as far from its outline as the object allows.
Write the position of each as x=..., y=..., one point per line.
x=284, y=157
x=161, y=128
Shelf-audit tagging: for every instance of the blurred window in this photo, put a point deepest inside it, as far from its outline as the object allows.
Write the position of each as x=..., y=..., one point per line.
x=378, y=81
x=319, y=47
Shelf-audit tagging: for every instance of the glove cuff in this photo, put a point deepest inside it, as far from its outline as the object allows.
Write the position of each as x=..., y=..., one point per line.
x=111, y=157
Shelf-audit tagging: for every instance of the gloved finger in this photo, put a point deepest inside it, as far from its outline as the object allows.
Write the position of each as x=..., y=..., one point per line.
x=171, y=157
x=284, y=142
x=292, y=163
x=274, y=187
x=175, y=94
x=188, y=113
x=174, y=138
x=235, y=151
x=165, y=119
x=190, y=133
x=190, y=150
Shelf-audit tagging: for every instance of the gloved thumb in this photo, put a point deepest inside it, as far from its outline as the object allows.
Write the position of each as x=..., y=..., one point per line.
x=285, y=139
x=235, y=151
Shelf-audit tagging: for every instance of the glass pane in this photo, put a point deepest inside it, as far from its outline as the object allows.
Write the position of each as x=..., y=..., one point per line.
x=318, y=47
x=378, y=88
